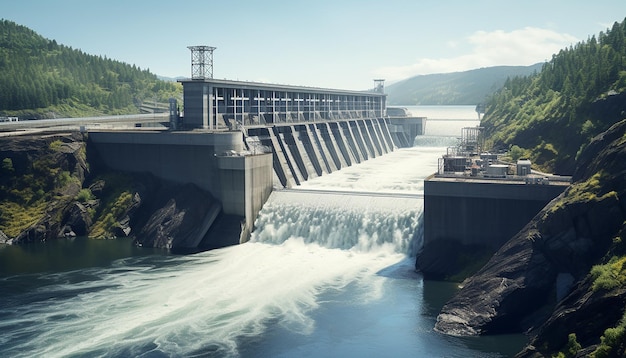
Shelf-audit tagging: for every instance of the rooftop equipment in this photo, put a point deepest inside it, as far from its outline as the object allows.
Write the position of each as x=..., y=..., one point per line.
x=497, y=171
x=454, y=164
x=523, y=167
x=471, y=139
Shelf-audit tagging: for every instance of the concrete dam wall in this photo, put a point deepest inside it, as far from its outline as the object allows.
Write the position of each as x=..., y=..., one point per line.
x=240, y=168
x=308, y=150
x=242, y=183
x=239, y=140
x=481, y=212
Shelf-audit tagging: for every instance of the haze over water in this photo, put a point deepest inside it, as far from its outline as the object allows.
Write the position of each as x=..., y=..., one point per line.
x=324, y=275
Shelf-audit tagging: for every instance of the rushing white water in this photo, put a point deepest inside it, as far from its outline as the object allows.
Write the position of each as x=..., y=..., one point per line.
x=402, y=171
x=306, y=244
x=312, y=248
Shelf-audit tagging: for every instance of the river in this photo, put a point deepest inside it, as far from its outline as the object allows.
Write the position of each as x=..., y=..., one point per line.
x=329, y=272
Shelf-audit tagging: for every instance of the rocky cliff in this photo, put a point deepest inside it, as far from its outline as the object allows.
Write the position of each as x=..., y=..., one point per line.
x=54, y=186
x=39, y=178
x=545, y=280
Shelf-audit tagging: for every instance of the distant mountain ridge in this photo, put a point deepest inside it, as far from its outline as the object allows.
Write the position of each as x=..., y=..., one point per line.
x=457, y=88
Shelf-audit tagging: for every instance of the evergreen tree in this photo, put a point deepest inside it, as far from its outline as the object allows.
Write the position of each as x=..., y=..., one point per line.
x=582, y=89
x=39, y=75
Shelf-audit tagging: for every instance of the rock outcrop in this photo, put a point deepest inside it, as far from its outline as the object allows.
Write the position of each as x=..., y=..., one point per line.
x=538, y=282
x=49, y=189
x=176, y=222
x=40, y=178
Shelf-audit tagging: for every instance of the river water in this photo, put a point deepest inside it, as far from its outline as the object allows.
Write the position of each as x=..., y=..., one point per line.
x=329, y=272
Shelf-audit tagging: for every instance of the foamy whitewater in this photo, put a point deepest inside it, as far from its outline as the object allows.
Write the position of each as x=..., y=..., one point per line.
x=328, y=272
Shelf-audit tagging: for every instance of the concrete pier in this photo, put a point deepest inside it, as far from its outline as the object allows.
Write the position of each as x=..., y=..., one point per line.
x=246, y=183
x=486, y=212
x=185, y=157
x=212, y=161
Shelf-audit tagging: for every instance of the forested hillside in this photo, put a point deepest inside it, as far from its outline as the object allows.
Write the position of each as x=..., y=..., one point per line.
x=41, y=79
x=551, y=116
x=467, y=87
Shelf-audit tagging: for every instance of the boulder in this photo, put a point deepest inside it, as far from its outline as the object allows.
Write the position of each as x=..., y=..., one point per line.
x=4, y=239
x=41, y=231
x=77, y=221
x=584, y=312
x=175, y=222
x=513, y=285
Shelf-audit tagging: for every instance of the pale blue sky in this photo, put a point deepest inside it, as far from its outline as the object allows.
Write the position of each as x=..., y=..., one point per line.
x=323, y=43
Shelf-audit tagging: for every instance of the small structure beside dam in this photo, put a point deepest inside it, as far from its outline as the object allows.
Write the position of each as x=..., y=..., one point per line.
x=238, y=140
x=476, y=199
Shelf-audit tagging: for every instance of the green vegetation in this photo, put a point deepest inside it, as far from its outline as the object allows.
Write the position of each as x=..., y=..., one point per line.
x=118, y=199
x=43, y=79
x=591, y=189
x=39, y=183
x=516, y=153
x=84, y=195
x=610, y=275
x=607, y=278
x=15, y=218
x=35, y=182
x=554, y=114
x=613, y=342
x=572, y=347
x=7, y=166
x=110, y=215
x=25, y=191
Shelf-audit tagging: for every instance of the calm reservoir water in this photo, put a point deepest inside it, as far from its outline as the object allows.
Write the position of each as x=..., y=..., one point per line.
x=329, y=272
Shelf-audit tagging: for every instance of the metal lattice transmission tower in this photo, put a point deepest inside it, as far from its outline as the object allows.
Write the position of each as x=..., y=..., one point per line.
x=201, y=62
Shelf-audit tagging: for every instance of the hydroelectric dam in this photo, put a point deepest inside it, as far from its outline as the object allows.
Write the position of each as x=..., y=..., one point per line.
x=239, y=140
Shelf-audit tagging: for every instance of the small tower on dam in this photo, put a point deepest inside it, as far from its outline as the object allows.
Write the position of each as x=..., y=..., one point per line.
x=201, y=62
x=380, y=85
x=196, y=93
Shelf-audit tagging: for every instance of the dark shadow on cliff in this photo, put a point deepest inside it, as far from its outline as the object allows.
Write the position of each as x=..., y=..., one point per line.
x=538, y=282
x=450, y=260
